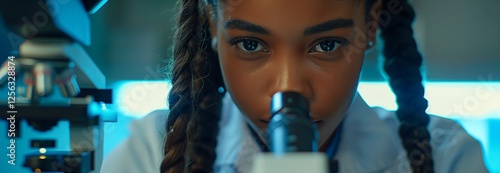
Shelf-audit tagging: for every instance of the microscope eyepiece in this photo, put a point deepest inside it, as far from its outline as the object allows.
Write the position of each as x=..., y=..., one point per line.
x=289, y=102
x=291, y=128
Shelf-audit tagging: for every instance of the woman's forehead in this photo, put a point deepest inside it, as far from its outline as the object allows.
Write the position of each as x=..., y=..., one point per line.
x=308, y=8
x=290, y=13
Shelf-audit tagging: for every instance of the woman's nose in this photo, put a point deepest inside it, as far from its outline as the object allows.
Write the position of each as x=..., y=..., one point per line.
x=290, y=74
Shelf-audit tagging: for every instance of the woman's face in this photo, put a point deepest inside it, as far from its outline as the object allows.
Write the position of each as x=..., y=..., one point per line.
x=312, y=47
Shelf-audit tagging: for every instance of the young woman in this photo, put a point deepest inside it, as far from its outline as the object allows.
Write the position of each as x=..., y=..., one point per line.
x=231, y=56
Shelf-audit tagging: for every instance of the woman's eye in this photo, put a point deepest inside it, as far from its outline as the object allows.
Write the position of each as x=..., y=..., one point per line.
x=250, y=46
x=326, y=46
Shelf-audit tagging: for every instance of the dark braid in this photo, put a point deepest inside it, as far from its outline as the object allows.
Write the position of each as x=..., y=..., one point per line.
x=179, y=99
x=194, y=100
x=203, y=128
x=402, y=64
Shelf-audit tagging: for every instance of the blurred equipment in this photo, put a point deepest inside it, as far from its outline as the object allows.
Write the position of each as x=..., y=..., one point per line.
x=51, y=78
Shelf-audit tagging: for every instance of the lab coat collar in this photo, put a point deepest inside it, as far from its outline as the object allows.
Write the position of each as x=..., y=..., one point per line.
x=367, y=144
x=236, y=147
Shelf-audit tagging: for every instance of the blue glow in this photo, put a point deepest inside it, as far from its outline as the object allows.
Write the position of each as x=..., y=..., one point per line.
x=448, y=99
x=138, y=98
x=475, y=105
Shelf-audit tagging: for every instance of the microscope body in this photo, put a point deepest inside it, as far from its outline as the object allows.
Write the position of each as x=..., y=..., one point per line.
x=53, y=79
x=292, y=139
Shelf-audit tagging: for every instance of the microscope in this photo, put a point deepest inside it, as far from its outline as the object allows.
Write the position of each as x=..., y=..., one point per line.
x=50, y=78
x=292, y=139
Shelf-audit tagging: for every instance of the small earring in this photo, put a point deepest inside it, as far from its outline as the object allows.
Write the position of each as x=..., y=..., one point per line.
x=370, y=44
x=214, y=44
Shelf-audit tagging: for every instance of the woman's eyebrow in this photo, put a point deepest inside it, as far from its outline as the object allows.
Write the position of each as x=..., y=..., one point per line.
x=329, y=25
x=246, y=26
x=322, y=27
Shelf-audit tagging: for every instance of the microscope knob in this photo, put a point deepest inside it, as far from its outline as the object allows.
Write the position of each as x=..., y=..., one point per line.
x=67, y=82
x=42, y=74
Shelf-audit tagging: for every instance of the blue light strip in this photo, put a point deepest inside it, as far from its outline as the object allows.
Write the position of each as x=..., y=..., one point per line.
x=476, y=100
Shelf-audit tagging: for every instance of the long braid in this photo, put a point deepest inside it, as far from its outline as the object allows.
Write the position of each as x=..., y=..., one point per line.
x=180, y=101
x=402, y=64
x=203, y=128
x=195, y=103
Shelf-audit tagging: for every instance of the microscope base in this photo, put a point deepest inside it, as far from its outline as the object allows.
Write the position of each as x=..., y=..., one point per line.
x=290, y=163
x=74, y=162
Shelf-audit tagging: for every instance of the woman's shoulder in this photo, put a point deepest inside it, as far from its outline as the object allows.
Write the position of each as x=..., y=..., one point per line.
x=440, y=128
x=142, y=151
x=155, y=121
x=151, y=128
x=453, y=148
x=437, y=125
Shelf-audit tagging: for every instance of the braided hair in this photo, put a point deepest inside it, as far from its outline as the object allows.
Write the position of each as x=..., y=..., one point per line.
x=195, y=101
x=402, y=65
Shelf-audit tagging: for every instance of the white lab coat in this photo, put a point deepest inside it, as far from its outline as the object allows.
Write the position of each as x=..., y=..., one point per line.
x=369, y=143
